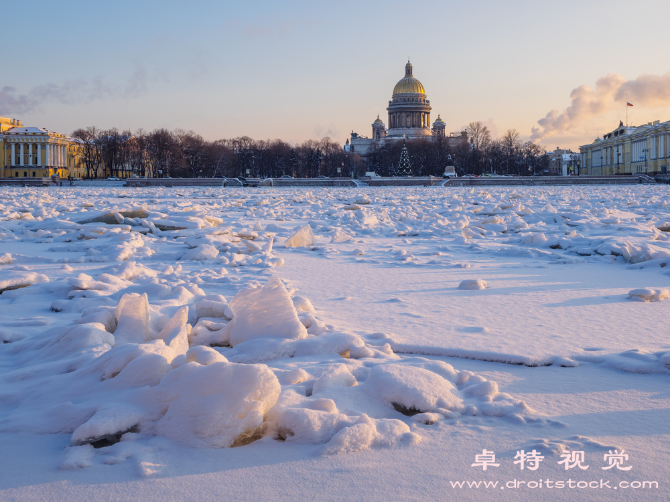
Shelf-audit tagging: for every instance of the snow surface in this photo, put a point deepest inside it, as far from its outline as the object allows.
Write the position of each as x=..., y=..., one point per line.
x=157, y=345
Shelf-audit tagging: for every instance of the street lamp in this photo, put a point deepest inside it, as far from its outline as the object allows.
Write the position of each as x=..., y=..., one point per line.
x=645, y=150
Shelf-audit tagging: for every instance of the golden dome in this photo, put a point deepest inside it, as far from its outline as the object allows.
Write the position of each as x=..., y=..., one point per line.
x=409, y=84
x=378, y=121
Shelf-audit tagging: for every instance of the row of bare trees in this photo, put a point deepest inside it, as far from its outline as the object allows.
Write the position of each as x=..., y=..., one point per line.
x=477, y=154
x=179, y=153
x=507, y=155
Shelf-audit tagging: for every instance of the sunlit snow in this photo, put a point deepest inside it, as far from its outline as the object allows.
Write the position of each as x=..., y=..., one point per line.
x=139, y=322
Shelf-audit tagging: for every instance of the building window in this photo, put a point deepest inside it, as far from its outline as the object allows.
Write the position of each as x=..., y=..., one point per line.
x=33, y=174
x=25, y=174
x=16, y=174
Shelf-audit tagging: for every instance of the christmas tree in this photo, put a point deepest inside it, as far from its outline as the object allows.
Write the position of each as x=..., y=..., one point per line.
x=404, y=168
x=292, y=162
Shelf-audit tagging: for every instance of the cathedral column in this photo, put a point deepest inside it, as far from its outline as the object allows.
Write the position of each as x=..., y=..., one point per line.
x=21, y=157
x=30, y=154
x=47, y=152
x=39, y=155
x=13, y=154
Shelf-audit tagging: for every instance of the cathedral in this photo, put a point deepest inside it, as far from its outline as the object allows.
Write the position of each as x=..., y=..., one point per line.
x=408, y=118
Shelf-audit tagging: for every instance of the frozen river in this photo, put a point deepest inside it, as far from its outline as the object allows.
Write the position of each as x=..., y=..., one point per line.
x=363, y=343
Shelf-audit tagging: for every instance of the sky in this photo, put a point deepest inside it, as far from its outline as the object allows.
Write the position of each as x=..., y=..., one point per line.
x=560, y=73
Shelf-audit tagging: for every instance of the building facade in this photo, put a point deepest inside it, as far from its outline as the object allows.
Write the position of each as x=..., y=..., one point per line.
x=563, y=162
x=408, y=118
x=629, y=150
x=33, y=152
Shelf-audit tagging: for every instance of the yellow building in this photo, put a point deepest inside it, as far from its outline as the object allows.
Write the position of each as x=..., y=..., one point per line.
x=33, y=152
x=629, y=150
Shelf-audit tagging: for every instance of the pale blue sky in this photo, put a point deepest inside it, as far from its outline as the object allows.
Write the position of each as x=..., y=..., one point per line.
x=303, y=69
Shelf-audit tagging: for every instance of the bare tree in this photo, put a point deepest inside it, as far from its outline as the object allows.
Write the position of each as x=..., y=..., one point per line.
x=91, y=149
x=192, y=147
x=479, y=135
x=161, y=150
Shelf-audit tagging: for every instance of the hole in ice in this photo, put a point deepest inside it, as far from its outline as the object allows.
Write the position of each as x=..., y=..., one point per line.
x=408, y=412
x=282, y=434
x=110, y=439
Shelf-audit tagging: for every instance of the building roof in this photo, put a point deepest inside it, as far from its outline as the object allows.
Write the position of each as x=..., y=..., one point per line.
x=26, y=130
x=409, y=84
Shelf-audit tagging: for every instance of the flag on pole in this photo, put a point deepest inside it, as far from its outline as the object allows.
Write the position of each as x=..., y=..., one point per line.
x=628, y=104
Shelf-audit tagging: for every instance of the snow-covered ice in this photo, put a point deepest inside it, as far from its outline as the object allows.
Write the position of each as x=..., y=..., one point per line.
x=330, y=343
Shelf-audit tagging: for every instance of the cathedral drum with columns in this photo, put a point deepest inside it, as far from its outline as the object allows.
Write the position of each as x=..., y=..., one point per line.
x=408, y=118
x=409, y=110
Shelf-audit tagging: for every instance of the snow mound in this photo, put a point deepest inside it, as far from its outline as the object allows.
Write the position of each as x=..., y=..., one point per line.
x=473, y=284
x=132, y=316
x=302, y=238
x=201, y=253
x=411, y=390
x=215, y=406
x=648, y=294
x=367, y=432
x=107, y=425
x=265, y=312
x=16, y=280
x=337, y=377
x=537, y=238
x=212, y=333
x=211, y=306
x=319, y=422
x=340, y=236
x=302, y=304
